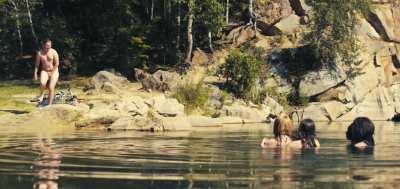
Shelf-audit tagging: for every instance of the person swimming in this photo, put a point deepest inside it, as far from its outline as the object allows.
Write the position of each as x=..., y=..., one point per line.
x=282, y=130
x=307, y=136
x=361, y=133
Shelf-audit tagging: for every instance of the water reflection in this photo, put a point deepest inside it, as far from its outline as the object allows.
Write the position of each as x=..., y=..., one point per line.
x=199, y=159
x=47, y=164
x=361, y=151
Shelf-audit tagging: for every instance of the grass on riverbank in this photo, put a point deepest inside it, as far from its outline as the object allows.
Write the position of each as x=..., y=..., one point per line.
x=14, y=96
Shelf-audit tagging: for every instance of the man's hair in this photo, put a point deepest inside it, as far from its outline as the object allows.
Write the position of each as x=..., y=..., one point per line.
x=361, y=130
x=45, y=40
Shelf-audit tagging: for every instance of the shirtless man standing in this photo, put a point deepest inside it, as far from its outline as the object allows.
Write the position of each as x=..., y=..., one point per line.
x=47, y=62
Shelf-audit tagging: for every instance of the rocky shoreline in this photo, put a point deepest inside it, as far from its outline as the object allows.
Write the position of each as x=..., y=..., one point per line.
x=157, y=112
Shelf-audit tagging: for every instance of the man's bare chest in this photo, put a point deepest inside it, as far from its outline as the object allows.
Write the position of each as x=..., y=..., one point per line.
x=46, y=58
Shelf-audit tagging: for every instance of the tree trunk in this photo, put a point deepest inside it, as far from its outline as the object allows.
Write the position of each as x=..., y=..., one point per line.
x=21, y=46
x=253, y=19
x=178, y=36
x=31, y=23
x=166, y=29
x=210, y=41
x=152, y=10
x=165, y=10
x=189, y=32
x=251, y=10
x=227, y=12
x=147, y=9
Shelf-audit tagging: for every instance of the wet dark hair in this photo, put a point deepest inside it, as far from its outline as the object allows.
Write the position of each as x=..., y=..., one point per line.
x=361, y=130
x=307, y=133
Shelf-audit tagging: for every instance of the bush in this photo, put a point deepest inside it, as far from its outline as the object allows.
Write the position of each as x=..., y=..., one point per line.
x=193, y=96
x=242, y=72
x=295, y=98
x=280, y=97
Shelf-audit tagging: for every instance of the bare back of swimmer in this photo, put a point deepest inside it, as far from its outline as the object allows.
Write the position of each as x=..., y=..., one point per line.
x=47, y=62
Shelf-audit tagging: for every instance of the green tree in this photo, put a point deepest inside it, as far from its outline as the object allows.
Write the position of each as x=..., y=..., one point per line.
x=210, y=14
x=333, y=33
x=242, y=72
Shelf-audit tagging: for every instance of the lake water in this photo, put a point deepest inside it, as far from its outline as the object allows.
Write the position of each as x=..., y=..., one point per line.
x=208, y=158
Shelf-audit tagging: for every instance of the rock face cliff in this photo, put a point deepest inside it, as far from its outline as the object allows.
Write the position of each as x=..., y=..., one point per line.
x=334, y=94
x=374, y=92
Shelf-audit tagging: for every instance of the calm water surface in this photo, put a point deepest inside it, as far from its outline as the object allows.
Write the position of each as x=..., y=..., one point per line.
x=212, y=158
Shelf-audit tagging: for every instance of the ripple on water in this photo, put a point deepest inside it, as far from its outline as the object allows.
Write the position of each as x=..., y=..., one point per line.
x=201, y=159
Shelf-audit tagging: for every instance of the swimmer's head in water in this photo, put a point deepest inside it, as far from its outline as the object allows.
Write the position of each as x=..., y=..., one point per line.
x=307, y=133
x=283, y=125
x=361, y=130
x=306, y=128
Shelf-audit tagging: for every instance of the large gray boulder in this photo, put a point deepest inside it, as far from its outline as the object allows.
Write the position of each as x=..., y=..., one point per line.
x=337, y=93
x=167, y=107
x=132, y=106
x=270, y=12
x=366, y=29
x=287, y=26
x=385, y=19
x=100, y=109
x=248, y=114
x=317, y=82
x=100, y=114
x=160, y=80
x=334, y=109
x=362, y=84
x=151, y=123
x=316, y=112
x=240, y=35
x=106, y=82
x=377, y=105
x=274, y=107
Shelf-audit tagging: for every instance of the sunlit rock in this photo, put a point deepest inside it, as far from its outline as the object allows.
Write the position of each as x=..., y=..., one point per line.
x=105, y=81
x=248, y=114
x=386, y=19
x=317, y=82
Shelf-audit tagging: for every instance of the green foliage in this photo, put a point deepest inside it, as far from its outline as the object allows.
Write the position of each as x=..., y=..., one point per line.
x=258, y=96
x=111, y=34
x=242, y=72
x=225, y=97
x=139, y=52
x=296, y=98
x=333, y=35
x=280, y=97
x=193, y=96
x=209, y=16
x=300, y=60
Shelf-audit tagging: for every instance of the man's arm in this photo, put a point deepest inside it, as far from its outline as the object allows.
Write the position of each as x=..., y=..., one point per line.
x=56, y=61
x=37, y=64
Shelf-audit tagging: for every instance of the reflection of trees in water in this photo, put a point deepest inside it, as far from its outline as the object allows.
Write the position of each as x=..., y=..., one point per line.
x=223, y=160
x=47, y=165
